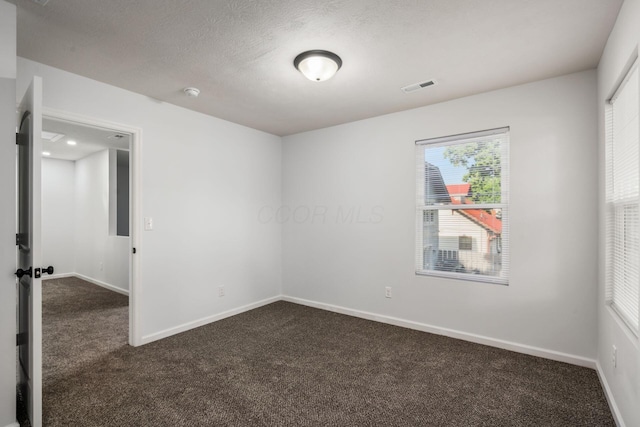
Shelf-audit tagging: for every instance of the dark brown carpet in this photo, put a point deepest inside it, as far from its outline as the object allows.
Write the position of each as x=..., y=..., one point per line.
x=289, y=365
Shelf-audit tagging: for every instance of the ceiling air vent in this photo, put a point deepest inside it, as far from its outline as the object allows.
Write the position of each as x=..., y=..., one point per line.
x=51, y=136
x=417, y=86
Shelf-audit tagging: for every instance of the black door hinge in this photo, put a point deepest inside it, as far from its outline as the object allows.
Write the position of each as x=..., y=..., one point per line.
x=17, y=138
x=134, y=250
x=21, y=338
x=17, y=239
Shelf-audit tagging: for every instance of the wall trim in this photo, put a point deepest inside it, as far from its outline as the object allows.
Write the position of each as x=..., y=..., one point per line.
x=14, y=424
x=617, y=416
x=146, y=339
x=452, y=333
x=88, y=279
x=102, y=284
x=58, y=276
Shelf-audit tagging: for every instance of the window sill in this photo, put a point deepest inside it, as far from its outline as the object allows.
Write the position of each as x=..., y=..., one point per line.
x=464, y=276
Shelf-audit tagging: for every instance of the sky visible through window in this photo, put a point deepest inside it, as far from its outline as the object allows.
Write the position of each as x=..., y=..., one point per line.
x=451, y=174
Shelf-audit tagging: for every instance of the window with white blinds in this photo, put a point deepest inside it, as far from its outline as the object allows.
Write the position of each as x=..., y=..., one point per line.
x=622, y=200
x=462, y=206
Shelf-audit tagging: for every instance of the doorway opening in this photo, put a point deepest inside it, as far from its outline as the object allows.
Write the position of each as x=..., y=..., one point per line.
x=84, y=234
x=90, y=198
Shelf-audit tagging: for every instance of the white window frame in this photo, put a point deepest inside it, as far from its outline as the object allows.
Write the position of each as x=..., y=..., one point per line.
x=622, y=194
x=421, y=205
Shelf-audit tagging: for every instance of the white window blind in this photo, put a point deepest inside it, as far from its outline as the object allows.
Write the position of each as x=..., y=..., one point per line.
x=622, y=199
x=462, y=206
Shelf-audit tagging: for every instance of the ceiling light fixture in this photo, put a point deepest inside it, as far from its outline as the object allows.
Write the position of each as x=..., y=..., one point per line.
x=71, y=142
x=317, y=65
x=46, y=153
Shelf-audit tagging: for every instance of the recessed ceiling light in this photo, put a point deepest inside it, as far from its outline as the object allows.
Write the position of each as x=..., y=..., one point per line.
x=46, y=153
x=317, y=65
x=51, y=136
x=71, y=142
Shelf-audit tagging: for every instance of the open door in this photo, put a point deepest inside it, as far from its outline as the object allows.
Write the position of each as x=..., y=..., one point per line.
x=28, y=241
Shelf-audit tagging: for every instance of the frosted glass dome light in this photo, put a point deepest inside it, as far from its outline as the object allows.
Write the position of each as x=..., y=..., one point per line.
x=318, y=65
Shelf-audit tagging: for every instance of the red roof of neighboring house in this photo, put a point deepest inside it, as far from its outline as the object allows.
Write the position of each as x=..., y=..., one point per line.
x=488, y=220
x=459, y=189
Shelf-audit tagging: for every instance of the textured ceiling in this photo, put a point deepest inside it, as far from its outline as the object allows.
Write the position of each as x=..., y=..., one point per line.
x=239, y=53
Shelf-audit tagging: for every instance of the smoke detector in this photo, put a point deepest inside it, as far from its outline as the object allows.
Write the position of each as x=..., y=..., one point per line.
x=191, y=92
x=417, y=86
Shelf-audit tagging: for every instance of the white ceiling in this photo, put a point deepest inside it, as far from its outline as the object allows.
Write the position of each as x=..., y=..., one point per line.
x=88, y=140
x=239, y=53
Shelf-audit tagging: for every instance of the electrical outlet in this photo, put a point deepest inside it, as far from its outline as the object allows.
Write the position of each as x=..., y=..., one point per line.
x=387, y=292
x=221, y=290
x=614, y=356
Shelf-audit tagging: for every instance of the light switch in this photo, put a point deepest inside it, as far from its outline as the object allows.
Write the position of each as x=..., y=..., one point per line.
x=148, y=223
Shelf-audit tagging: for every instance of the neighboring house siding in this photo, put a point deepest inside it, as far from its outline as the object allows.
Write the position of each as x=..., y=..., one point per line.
x=452, y=225
x=443, y=228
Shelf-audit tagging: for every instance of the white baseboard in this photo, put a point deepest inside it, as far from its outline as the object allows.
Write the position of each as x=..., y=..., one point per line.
x=58, y=276
x=88, y=279
x=617, y=416
x=14, y=424
x=465, y=336
x=102, y=284
x=146, y=339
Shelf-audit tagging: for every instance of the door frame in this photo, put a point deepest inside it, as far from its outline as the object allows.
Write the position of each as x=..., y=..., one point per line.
x=135, y=291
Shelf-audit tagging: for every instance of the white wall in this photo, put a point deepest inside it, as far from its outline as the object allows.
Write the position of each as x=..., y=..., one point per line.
x=203, y=182
x=7, y=214
x=75, y=221
x=624, y=380
x=98, y=255
x=7, y=40
x=58, y=215
x=369, y=166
